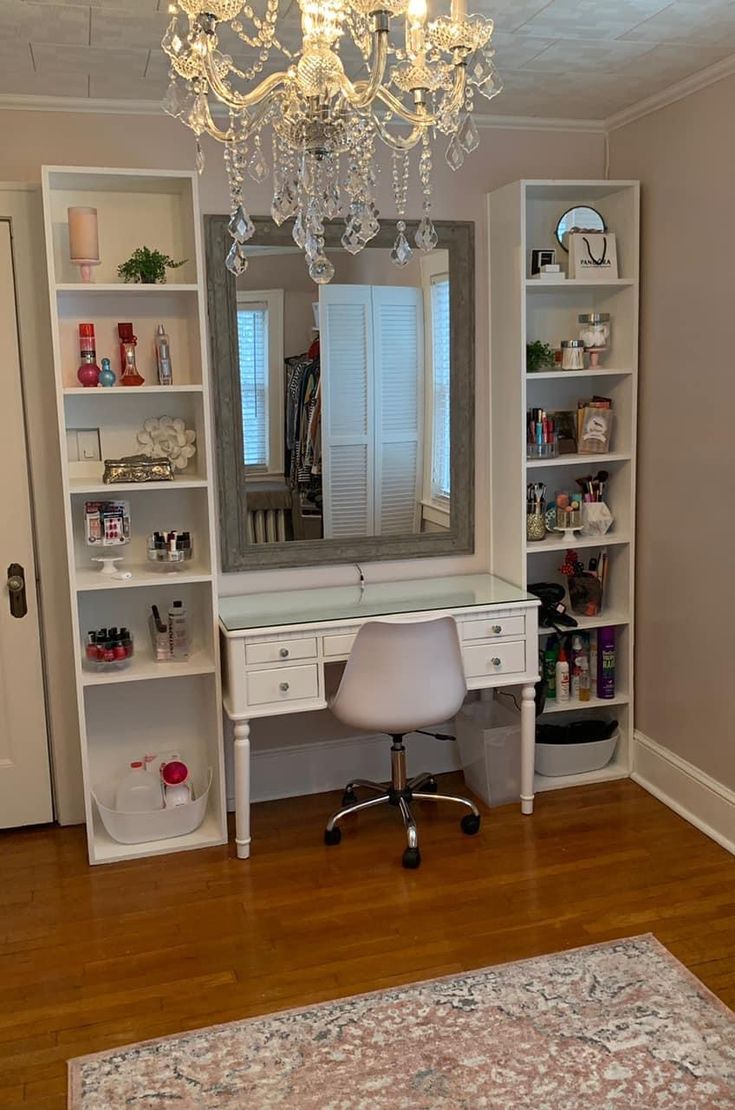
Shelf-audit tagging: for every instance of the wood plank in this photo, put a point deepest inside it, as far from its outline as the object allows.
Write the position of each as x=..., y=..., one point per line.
x=94, y=958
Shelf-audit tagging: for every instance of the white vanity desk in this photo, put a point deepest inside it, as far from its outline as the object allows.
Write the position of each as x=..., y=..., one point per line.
x=276, y=646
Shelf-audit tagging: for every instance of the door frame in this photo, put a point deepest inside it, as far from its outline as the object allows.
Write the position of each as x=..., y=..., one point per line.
x=21, y=203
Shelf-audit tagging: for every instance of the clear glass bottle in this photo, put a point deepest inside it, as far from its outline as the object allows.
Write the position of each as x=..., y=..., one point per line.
x=129, y=374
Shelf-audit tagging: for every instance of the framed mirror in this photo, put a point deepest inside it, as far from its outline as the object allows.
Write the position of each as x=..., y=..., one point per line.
x=582, y=218
x=344, y=412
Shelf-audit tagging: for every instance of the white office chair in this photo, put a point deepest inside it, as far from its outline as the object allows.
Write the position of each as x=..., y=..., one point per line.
x=399, y=678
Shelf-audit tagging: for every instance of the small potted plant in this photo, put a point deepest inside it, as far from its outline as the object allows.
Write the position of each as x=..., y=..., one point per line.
x=539, y=356
x=147, y=267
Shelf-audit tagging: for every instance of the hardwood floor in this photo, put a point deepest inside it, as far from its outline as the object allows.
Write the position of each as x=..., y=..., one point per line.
x=92, y=958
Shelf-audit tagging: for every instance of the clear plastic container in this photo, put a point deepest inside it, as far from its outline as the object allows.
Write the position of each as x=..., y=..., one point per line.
x=489, y=741
x=139, y=790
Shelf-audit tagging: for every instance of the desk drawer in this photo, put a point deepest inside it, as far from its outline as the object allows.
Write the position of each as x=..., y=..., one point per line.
x=283, y=684
x=276, y=651
x=338, y=645
x=489, y=628
x=501, y=658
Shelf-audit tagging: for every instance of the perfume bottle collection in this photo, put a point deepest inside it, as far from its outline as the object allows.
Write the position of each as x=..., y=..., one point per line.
x=91, y=375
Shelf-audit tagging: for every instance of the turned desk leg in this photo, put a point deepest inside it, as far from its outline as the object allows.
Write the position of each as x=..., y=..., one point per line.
x=242, y=788
x=528, y=746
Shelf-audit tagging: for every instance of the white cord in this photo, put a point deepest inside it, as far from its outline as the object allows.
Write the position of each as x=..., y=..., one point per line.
x=362, y=576
x=607, y=156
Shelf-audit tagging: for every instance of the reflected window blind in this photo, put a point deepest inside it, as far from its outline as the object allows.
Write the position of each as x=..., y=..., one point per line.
x=252, y=338
x=440, y=454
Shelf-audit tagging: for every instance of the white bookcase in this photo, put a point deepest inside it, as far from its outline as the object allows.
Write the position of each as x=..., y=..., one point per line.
x=523, y=216
x=151, y=706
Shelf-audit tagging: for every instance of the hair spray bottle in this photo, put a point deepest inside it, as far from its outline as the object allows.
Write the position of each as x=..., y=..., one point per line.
x=606, y=663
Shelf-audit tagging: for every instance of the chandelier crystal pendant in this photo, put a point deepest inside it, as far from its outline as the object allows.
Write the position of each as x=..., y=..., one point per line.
x=325, y=127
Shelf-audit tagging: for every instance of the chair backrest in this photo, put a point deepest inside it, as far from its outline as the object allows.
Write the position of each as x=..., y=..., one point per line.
x=401, y=676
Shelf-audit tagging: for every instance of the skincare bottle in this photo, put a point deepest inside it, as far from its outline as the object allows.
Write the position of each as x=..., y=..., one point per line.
x=562, y=676
x=585, y=687
x=577, y=653
x=163, y=357
x=179, y=640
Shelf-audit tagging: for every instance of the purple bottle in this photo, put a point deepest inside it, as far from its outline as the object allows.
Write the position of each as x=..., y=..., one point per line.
x=606, y=663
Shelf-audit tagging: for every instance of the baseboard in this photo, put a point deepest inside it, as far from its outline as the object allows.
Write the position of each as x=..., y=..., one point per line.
x=694, y=795
x=315, y=767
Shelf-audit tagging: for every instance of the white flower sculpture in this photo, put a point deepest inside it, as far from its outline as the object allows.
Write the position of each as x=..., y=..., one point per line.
x=166, y=437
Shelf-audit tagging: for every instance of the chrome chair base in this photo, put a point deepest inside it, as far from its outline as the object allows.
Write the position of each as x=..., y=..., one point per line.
x=400, y=792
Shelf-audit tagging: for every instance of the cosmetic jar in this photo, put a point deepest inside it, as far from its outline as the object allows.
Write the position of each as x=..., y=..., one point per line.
x=594, y=334
x=572, y=354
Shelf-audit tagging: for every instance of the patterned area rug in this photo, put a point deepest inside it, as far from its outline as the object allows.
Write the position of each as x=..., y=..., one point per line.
x=614, y=1025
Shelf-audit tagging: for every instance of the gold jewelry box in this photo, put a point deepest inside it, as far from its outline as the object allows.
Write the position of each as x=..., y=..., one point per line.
x=137, y=468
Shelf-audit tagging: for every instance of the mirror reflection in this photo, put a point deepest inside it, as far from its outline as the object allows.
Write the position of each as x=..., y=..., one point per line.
x=578, y=219
x=344, y=396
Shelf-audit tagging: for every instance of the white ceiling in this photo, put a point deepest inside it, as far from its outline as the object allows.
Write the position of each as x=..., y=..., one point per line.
x=576, y=59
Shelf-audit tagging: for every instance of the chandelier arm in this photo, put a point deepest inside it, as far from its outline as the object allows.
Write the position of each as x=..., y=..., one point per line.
x=457, y=94
x=238, y=101
x=422, y=119
x=398, y=142
x=361, y=94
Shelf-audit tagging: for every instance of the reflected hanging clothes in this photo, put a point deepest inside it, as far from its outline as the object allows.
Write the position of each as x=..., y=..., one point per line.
x=303, y=429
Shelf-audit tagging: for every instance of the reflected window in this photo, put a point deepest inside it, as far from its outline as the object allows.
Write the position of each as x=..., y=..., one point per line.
x=260, y=351
x=440, y=370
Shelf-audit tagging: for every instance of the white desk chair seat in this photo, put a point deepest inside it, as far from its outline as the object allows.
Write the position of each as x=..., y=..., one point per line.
x=400, y=678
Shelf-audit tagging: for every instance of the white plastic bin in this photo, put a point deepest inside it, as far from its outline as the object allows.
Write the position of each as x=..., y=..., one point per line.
x=159, y=824
x=489, y=739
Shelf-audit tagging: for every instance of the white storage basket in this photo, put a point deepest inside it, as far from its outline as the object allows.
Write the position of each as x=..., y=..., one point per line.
x=159, y=824
x=554, y=760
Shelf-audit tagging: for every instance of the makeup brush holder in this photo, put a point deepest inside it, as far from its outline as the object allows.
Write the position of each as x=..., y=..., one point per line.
x=535, y=527
x=585, y=595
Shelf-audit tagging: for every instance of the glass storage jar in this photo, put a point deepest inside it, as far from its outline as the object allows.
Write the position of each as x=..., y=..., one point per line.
x=572, y=354
x=594, y=333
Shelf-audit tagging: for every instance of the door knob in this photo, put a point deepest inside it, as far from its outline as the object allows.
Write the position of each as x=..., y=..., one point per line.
x=17, y=590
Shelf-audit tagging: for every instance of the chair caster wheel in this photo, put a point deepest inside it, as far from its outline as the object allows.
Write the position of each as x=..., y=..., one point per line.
x=431, y=787
x=470, y=824
x=332, y=836
x=349, y=798
x=411, y=858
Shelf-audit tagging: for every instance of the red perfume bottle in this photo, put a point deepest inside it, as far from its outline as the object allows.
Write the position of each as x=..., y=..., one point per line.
x=88, y=372
x=129, y=375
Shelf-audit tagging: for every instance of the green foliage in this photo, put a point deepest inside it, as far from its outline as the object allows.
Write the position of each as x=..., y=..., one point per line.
x=147, y=267
x=539, y=356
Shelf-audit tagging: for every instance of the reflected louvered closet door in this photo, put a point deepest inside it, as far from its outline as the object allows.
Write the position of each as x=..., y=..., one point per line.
x=399, y=346
x=345, y=321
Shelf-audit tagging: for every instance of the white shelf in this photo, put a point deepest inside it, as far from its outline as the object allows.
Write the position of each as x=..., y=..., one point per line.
x=122, y=287
x=579, y=460
x=142, y=576
x=615, y=770
x=585, y=624
x=558, y=543
x=129, y=391
x=573, y=706
x=117, y=719
x=145, y=668
x=568, y=375
x=84, y=485
x=108, y=850
x=545, y=284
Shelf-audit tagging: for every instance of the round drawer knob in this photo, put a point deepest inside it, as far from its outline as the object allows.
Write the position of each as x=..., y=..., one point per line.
x=497, y=629
x=283, y=687
x=283, y=653
x=496, y=662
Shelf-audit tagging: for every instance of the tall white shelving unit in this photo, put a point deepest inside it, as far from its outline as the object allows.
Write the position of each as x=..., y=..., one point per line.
x=523, y=216
x=150, y=706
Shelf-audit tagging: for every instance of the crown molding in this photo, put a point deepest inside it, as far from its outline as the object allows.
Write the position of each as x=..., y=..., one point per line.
x=10, y=102
x=697, y=81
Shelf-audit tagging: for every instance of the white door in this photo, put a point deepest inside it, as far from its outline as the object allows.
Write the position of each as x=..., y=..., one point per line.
x=25, y=786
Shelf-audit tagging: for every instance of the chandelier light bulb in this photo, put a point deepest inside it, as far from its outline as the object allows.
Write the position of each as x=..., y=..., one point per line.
x=324, y=124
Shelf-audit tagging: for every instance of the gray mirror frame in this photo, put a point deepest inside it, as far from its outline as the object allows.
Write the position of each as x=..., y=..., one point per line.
x=235, y=552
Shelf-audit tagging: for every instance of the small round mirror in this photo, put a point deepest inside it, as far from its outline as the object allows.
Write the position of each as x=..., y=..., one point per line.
x=578, y=219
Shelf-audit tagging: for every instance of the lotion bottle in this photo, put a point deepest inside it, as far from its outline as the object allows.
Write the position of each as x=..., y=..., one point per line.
x=179, y=639
x=163, y=357
x=562, y=676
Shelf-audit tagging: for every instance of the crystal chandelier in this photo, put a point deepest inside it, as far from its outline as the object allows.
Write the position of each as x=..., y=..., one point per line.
x=325, y=126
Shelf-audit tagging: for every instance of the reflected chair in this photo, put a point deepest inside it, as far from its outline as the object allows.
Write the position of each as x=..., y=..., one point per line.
x=401, y=677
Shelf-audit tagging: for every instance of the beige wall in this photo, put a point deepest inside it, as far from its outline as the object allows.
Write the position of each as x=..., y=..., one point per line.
x=685, y=608
x=88, y=139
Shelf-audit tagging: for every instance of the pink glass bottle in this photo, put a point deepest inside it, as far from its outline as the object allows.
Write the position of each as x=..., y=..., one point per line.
x=88, y=372
x=129, y=375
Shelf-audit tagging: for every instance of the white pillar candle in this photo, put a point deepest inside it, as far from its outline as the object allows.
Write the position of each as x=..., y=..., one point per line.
x=83, y=238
